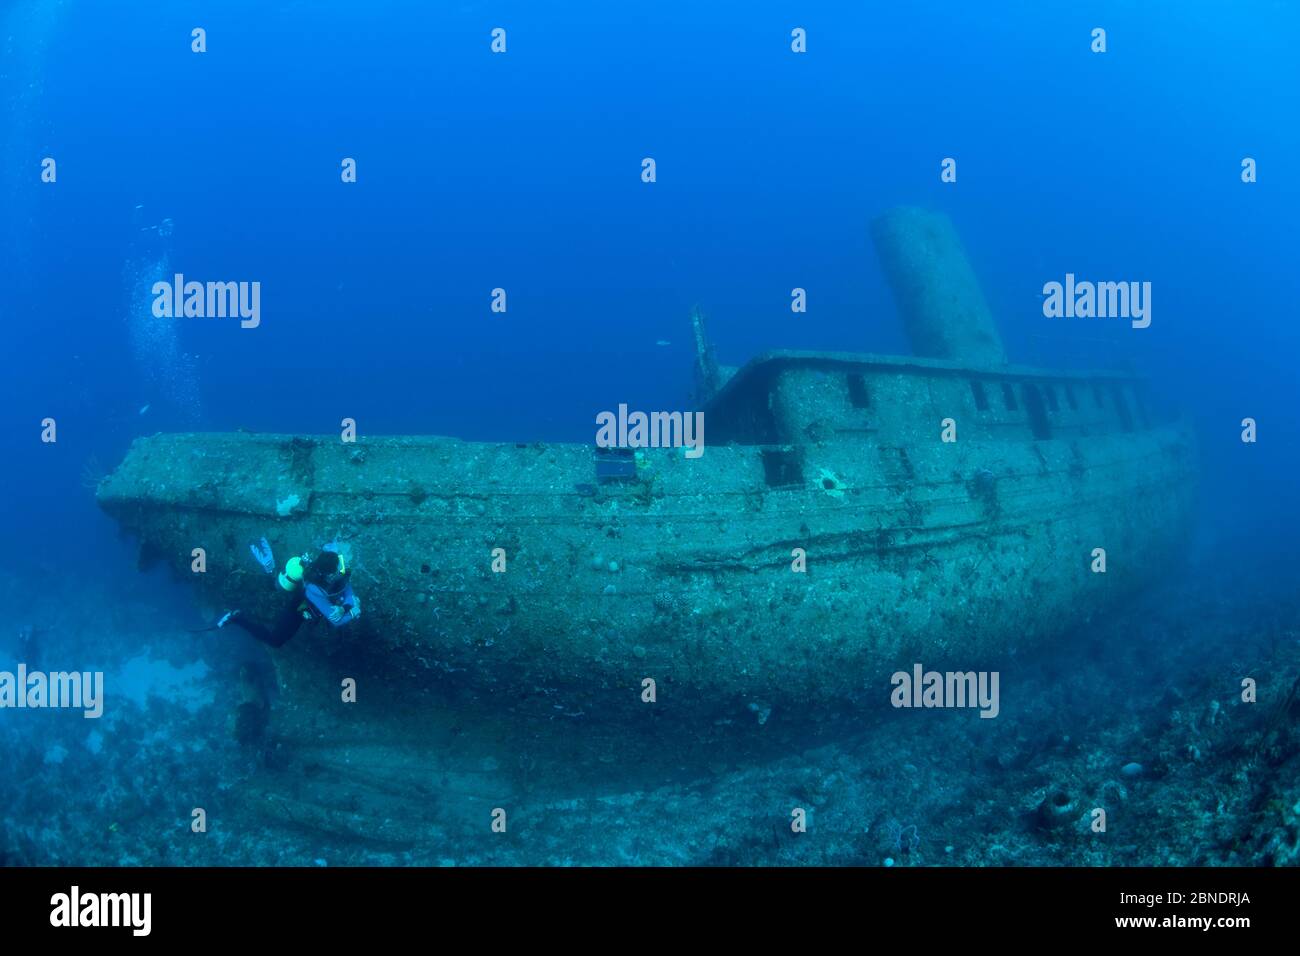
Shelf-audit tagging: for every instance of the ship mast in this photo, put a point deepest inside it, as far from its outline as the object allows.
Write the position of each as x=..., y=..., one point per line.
x=707, y=376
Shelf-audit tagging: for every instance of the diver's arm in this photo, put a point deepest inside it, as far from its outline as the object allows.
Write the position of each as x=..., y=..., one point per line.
x=324, y=607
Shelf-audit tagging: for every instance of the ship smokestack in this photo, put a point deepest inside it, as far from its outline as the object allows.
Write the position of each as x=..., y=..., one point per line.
x=938, y=294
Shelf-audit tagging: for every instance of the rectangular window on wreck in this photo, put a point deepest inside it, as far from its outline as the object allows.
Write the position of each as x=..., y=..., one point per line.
x=981, y=399
x=859, y=397
x=1121, y=406
x=782, y=467
x=1037, y=411
x=615, y=464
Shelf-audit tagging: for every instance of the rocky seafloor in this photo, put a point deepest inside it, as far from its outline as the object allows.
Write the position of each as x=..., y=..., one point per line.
x=1140, y=713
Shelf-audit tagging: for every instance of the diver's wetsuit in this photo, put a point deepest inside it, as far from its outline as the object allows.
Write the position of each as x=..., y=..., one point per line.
x=286, y=624
x=314, y=600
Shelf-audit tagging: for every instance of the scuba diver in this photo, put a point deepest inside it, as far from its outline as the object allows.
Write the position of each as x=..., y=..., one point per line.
x=317, y=589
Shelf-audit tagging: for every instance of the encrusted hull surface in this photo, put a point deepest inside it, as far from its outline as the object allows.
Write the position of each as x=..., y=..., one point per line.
x=950, y=554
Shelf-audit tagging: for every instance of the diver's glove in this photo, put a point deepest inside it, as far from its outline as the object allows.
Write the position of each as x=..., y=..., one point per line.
x=354, y=612
x=264, y=556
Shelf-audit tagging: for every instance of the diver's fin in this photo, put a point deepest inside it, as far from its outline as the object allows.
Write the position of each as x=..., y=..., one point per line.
x=225, y=619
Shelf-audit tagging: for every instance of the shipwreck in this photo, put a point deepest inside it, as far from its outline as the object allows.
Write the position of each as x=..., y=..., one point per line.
x=830, y=534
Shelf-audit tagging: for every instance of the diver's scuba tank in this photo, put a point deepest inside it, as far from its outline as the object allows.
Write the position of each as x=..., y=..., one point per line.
x=293, y=578
x=295, y=569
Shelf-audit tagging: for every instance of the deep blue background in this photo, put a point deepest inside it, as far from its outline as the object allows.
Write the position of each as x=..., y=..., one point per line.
x=523, y=171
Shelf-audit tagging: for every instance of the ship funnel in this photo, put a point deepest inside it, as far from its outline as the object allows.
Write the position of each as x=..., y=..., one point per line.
x=938, y=294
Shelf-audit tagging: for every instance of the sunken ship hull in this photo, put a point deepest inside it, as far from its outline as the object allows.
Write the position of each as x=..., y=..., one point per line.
x=683, y=570
x=833, y=531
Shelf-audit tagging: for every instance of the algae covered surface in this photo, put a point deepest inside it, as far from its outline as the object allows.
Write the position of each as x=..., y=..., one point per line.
x=1184, y=768
x=661, y=435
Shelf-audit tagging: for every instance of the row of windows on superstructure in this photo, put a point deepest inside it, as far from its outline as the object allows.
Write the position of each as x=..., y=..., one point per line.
x=1039, y=399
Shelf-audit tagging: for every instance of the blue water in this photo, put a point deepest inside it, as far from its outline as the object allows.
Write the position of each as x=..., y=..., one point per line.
x=523, y=171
